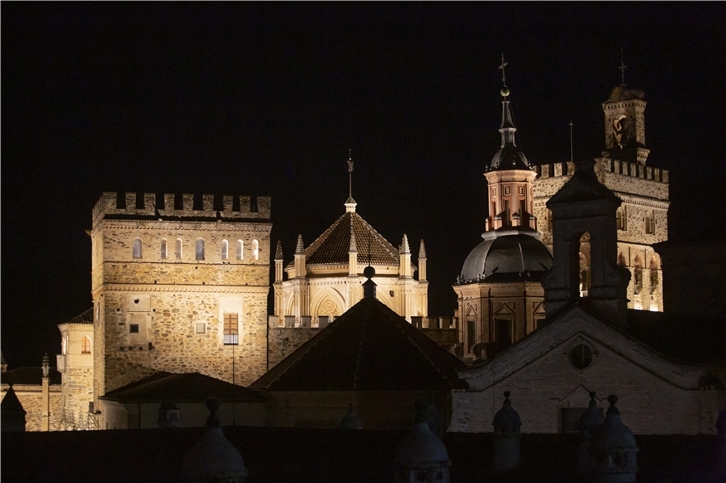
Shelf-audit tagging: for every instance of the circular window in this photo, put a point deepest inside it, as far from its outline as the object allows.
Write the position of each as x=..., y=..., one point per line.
x=581, y=356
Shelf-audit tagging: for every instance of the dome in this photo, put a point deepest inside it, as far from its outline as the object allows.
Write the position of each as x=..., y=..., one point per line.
x=509, y=157
x=421, y=446
x=507, y=252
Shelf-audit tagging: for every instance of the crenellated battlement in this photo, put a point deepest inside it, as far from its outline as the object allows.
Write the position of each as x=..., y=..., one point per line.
x=635, y=170
x=182, y=206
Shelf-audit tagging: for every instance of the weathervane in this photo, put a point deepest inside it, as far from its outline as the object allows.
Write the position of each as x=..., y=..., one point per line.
x=504, y=75
x=350, y=174
x=571, y=156
x=622, y=69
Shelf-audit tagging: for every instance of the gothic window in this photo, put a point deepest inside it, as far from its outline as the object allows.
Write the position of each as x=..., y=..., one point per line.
x=164, y=250
x=199, y=252
x=584, y=271
x=240, y=249
x=86, y=345
x=255, y=250
x=621, y=219
x=137, y=248
x=649, y=223
x=178, y=249
x=225, y=249
x=621, y=260
x=653, y=275
x=231, y=335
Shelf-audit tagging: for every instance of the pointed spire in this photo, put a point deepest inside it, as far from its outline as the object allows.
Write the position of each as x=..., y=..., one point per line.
x=278, y=250
x=300, y=249
x=421, y=250
x=46, y=365
x=404, y=245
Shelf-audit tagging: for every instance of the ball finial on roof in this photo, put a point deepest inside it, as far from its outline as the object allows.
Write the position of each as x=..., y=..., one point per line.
x=369, y=272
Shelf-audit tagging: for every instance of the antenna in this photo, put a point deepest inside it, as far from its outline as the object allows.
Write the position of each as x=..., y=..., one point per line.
x=571, y=156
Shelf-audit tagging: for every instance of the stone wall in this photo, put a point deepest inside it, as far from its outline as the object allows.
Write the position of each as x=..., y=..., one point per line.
x=283, y=341
x=30, y=397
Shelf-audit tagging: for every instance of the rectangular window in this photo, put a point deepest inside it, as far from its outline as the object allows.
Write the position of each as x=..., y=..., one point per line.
x=504, y=333
x=231, y=335
x=506, y=190
x=134, y=328
x=520, y=190
x=470, y=334
x=201, y=328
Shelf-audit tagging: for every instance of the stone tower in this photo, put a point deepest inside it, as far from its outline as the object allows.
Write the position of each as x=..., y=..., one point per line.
x=75, y=363
x=178, y=284
x=642, y=218
x=499, y=293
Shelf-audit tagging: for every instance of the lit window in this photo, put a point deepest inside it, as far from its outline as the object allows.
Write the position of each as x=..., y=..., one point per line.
x=178, y=249
x=225, y=249
x=137, y=247
x=86, y=345
x=255, y=250
x=164, y=250
x=649, y=223
x=64, y=345
x=231, y=336
x=240, y=249
x=200, y=249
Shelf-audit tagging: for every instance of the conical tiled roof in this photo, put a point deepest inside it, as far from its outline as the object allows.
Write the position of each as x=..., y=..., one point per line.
x=368, y=348
x=333, y=245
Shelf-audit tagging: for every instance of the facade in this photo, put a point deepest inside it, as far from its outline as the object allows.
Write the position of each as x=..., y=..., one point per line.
x=499, y=291
x=38, y=390
x=587, y=342
x=642, y=218
x=179, y=286
x=75, y=363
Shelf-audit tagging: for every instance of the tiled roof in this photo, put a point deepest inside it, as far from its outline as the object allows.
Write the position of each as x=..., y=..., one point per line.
x=332, y=246
x=180, y=388
x=29, y=376
x=368, y=348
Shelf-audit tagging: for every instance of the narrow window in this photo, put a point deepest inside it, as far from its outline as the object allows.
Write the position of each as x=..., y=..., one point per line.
x=255, y=250
x=504, y=333
x=225, y=249
x=230, y=329
x=653, y=275
x=200, y=249
x=86, y=345
x=64, y=345
x=137, y=247
x=637, y=276
x=549, y=220
x=178, y=249
x=134, y=328
x=164, y=250
x=240, y=249
x=470, y=334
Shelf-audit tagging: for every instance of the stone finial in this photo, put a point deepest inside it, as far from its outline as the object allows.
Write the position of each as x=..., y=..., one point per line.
x=588, y=423
x=421, y=250
x=404, y=245
x=214, y=458
x=369, y=286
x=614, y=449
x=507, y=426
x=350, y=420
x=422, y=456
x=507, y=420
x=46, y=365
x=278, y=250
x=300, y=249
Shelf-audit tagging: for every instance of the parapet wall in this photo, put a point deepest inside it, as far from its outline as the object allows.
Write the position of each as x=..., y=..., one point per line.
x=636, y=170
x=144, y=204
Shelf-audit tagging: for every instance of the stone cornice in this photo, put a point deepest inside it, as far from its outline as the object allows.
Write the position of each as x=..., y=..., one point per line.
x=236, y=289
x=187, y=225
x=639, y=200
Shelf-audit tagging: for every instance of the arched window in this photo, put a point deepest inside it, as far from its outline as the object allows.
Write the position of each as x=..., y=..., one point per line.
x=240, y=249
x=584, y=264
x=137, y=247
x=225, y=249
x=649, y=223
x=86, y=345
x=164, y=250
x=255, y=250
x=621, y=219
x=199, y=252
x=653, y=275
x=178, y=249
x=637, y=276
x=64, y=345
x=621, y=260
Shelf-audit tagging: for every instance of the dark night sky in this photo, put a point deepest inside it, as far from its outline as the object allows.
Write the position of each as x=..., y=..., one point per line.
x=266, y=99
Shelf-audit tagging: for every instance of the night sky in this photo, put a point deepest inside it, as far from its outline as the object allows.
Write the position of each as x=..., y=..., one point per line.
x=266, y=99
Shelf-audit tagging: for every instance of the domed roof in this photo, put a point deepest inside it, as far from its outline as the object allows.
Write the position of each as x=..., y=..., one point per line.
x=509, y=157
x=505, y=254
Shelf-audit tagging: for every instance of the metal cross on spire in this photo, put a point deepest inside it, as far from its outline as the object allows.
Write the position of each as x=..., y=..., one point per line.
x=622, y=69
x=350, y=174
x=501, y=67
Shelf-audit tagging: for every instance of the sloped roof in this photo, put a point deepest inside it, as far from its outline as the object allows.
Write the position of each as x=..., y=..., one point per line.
x=11, y=404
x=368, y=348
x=180, y=388
x=84, y=318
x=29, y=376
x=332, y=246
